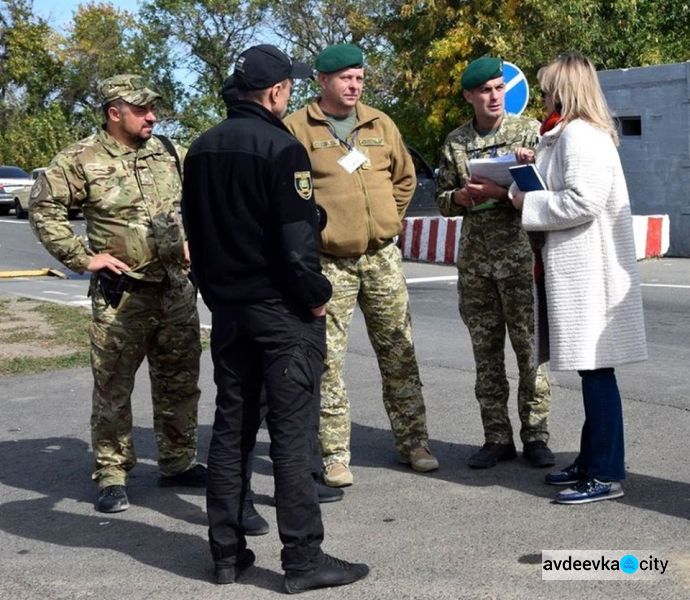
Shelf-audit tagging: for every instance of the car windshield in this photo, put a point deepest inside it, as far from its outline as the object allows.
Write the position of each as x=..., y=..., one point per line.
x=13, y=173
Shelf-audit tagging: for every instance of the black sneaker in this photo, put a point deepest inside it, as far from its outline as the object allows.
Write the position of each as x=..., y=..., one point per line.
x=327, y=493
x=538, y=455
x=566, y=476
x=331, y=572
x=229, y=573
x=194, y=477
x=489, y=455
x=112, y=499
x=251, y=521
x=590, y=490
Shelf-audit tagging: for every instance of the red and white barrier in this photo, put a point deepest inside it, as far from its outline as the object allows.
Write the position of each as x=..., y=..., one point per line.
x=435, y=239
x=652, y=235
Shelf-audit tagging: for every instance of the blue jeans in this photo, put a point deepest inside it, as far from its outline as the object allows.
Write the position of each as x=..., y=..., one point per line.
x=602, y=450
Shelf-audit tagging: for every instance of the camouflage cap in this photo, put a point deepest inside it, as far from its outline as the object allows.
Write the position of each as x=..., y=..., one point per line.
x=131, y=88
x=338, y=57
x=481, y=70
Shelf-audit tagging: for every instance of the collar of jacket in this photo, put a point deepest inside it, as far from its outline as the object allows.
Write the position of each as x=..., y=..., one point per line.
x=254, y=110
x=364, y=114
x=115, y=148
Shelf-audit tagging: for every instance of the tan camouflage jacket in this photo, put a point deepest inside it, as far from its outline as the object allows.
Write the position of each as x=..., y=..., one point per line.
x=493, y=243
x=365, y=208
x=130, y=200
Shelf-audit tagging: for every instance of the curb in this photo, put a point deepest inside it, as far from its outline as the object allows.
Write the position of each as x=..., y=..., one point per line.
x=32, y=273
x=435, y=239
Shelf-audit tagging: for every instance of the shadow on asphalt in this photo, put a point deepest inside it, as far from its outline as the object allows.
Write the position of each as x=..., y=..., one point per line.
x=59, y=468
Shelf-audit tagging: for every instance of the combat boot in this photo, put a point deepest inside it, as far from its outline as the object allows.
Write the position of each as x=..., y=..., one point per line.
x=112, y=499
x=229, y=573
x=489, y=455
x=331, y=572
x=337, y=475
x=251, y=522
x=194, y=477
x=421, y=460
x=538, y=455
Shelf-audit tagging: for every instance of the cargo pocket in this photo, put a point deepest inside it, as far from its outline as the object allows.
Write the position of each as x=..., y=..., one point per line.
x=300, y=368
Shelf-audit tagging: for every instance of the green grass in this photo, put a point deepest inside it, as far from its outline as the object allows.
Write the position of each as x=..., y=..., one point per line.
x=71, y=323
x=37, y=364
x=70, y=333
x=69, y=336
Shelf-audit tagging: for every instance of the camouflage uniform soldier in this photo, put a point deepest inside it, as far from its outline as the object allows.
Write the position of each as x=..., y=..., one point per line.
x=495, y=269
x=127, y=184
x=364, y=178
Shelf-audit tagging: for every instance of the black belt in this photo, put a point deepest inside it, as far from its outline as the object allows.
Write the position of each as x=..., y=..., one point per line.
x=112, y=286
x=132, y=284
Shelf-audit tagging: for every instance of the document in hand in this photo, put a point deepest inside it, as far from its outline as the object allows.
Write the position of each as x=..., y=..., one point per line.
x=527, y=178
x=495, y=169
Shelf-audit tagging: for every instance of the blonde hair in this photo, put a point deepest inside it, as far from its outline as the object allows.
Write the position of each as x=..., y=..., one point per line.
x=572, y=82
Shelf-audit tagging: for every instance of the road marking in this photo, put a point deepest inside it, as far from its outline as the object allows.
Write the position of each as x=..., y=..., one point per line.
x=55, y=292
x=666, y=285
x=449, y=278
x=15, y=221
x=431, y=279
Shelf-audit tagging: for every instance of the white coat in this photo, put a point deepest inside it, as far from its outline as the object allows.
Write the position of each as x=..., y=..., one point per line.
x=593, y=299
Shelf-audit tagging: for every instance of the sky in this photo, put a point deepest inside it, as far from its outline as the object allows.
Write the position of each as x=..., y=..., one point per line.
x=60, y=12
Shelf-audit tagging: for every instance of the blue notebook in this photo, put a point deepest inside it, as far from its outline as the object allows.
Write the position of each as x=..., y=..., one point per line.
x=527, y=178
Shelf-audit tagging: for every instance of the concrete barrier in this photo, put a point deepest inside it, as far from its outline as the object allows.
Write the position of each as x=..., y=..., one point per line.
x=435, y=239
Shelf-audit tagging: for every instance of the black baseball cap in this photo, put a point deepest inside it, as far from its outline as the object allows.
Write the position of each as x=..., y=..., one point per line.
x=262, y=66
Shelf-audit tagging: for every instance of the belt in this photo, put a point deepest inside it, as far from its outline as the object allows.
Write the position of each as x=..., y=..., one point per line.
x=374, y=247
x=132, y=284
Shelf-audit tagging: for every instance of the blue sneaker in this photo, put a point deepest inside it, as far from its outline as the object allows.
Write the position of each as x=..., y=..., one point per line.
x=566, y=476
x=590, y=490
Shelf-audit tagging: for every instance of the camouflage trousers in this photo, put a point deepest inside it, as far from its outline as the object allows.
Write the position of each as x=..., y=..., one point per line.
x=161, y=324
x=488, y=306
x=376, y=282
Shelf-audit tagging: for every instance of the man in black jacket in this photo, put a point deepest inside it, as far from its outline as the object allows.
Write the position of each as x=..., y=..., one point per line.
x=252, y=224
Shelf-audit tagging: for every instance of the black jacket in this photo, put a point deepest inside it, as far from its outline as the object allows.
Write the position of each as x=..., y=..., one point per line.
x=252, y=235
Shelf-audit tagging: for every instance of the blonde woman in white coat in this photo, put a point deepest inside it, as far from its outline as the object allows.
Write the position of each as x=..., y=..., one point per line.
x=592, y=320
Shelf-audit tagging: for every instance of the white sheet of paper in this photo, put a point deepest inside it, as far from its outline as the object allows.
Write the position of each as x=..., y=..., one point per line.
x=495, y=169
x=352, y=160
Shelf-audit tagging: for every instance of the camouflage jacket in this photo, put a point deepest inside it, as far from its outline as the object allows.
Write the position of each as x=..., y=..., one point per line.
x=130, y=200
x=493, y=243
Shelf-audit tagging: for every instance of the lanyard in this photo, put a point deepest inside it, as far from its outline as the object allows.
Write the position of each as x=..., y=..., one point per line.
x=349, y=146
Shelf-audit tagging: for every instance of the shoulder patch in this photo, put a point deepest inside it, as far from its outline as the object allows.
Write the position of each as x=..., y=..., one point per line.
x=36, y=188
x=303, y=184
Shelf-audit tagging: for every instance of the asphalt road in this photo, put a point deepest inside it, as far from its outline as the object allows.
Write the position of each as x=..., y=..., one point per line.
x=456, y=533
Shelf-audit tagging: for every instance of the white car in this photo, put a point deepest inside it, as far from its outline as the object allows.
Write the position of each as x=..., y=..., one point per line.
x=15, y=185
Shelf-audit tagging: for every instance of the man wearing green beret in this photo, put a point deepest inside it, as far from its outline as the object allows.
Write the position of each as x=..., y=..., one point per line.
x=495, y=269
x=364, y=177
x=127, y=183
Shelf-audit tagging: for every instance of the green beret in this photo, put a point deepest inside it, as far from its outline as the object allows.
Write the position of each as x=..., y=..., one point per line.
x=480, y=71
x=339, y=57
x=131, y=88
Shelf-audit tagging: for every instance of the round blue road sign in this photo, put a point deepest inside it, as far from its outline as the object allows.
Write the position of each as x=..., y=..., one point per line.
x=517, y=90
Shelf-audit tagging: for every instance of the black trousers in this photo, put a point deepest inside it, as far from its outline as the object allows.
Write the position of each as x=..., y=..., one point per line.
x=273, y=345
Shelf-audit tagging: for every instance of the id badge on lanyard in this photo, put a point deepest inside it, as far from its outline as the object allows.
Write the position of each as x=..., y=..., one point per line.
x=352, y=160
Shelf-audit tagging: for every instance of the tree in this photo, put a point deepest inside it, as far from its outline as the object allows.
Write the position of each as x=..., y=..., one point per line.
x=307, y=26
x=30, y=69
x=434, y=40
x=30, y=75
x=103, y=42
x=204, y=38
